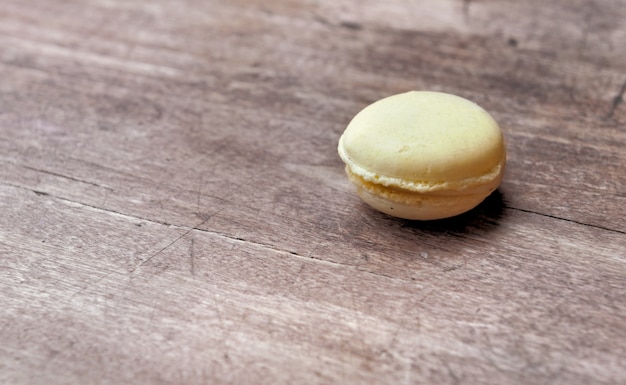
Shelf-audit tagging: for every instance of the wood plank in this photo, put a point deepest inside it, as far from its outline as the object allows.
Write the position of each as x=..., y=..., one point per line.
x=570, y=136
x=218, y=307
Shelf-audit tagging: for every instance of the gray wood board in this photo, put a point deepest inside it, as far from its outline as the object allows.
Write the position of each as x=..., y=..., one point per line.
x=174, y=210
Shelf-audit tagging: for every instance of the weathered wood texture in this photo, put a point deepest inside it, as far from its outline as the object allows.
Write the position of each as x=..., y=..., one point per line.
x=173, y=210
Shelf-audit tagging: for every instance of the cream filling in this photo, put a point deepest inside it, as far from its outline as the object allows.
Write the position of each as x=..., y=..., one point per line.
x=432, y=193
x=454, y=187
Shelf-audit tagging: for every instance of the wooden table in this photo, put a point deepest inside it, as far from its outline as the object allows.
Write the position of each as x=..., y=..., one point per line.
x=173, y=209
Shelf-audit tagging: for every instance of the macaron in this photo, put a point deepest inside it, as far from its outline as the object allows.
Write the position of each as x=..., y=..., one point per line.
x=423, y=155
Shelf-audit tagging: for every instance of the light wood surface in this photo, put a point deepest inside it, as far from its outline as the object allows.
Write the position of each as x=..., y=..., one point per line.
x=173, y=209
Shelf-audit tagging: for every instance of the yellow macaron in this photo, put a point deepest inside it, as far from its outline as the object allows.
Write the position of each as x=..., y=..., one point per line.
x=423, y=155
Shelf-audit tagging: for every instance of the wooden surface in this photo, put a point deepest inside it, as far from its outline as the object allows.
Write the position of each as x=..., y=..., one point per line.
x=173, y=210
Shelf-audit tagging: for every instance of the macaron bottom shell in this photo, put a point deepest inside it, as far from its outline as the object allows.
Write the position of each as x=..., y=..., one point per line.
x=414, y=205
x=427, y=208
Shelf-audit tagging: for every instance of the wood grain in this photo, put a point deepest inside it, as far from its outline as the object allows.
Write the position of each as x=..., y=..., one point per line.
x=174, y=210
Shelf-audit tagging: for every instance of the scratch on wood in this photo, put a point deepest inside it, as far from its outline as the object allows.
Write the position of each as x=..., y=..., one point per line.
x=298, y=274
x=192, y=264
x=351, y=25
x=617, y=100
x=106, y=196
x=199, y=194
x=586, y=27
x=143, y=262
x=357, y=319
x=321, y=19
x=310, y=253
x=91, y=284
x=453, y=375
x=408, y=372
x=466, y=9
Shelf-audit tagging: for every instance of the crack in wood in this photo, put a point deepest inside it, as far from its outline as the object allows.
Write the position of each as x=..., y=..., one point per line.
x=65, y=177
x=565, y=219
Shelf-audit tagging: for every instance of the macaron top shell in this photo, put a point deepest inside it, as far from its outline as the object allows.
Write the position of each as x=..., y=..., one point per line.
x=424, y=141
